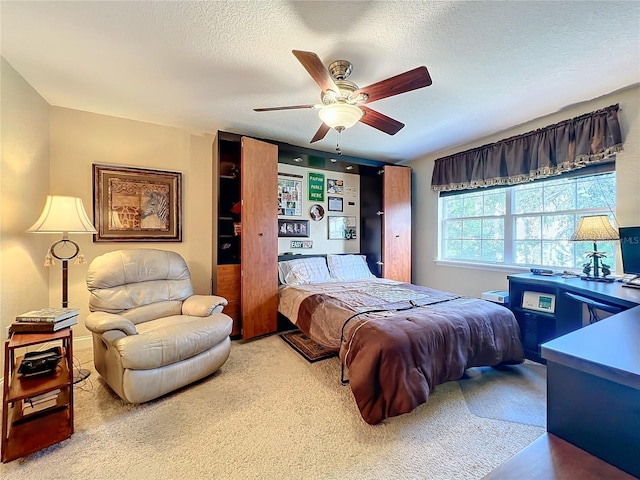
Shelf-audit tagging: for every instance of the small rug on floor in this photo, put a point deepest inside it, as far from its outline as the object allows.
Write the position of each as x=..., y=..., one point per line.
x=310, y=350
x=515, y=393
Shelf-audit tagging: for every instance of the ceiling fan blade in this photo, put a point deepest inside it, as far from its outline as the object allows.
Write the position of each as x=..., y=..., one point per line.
x=405, y=82
x=312, y=63
x=292, y=107
x=381, y=122
x=320, y=134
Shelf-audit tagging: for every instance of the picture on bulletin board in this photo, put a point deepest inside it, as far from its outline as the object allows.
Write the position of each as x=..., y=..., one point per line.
x=335, y=187
x=293, y=228
x=316, y=187
x=342, y=228
x=289, y=197
x=335, y=204
x=316, y=212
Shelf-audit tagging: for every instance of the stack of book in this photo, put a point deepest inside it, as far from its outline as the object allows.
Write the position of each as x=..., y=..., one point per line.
x=40, y=402
x=45, y=320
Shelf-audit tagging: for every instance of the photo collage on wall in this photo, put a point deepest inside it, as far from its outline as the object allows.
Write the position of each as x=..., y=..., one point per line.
x=289, y=197
x=324, y=195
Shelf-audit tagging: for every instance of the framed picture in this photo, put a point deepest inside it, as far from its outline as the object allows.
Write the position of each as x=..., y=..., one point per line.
x=289, y=197
x=136, y=204
x=293, y=228
x=335, y=204
x=335, y=187
x=343, y=228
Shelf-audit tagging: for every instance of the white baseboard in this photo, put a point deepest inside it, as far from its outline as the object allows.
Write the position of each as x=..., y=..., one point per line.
x=78, y=343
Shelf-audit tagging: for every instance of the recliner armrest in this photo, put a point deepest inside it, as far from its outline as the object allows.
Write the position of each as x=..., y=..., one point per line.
x=203, y=305
x=101, y=322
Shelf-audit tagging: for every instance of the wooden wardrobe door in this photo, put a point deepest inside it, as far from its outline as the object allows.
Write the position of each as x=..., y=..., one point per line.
x=396, y=224
x=259, y=239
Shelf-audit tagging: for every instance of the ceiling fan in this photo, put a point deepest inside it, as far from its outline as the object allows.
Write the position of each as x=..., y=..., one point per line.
x=343, y=101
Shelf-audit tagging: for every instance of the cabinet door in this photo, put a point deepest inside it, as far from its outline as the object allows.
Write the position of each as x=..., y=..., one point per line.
x=396, y=224
x=229, y=288
x=259, y=240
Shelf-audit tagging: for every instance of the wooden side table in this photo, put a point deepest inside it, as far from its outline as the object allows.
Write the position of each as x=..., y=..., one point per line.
x=25, y=432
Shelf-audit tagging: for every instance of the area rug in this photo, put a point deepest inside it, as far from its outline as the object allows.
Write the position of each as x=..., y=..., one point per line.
x=310, y=350
x=515, y=393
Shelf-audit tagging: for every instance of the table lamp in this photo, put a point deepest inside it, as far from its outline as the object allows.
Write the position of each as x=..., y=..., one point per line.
x=593, y=228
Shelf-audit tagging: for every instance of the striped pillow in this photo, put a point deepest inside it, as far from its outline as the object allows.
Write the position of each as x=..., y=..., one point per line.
x=304, y=270
x=345, y=268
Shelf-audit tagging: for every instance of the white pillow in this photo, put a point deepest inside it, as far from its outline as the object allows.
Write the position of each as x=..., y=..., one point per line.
x=304, y=270
x=345, y=268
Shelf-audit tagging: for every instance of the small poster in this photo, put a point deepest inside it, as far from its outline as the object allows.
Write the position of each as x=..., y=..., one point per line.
x=289, y=197
x=316, y=187
x=335, y=187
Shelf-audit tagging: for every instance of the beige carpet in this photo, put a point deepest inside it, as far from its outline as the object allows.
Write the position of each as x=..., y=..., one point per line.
x=269, y=414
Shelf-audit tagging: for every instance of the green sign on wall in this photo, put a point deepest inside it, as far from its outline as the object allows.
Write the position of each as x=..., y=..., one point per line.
x=316, y=187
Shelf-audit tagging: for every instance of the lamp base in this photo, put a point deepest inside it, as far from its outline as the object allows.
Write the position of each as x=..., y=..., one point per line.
x=80, y=374
x=598, y=279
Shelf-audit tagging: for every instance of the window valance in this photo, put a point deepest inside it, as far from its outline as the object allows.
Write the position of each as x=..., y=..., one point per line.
x=552, y=150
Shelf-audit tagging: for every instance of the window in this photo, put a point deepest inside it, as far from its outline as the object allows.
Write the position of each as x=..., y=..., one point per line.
x=528, y=224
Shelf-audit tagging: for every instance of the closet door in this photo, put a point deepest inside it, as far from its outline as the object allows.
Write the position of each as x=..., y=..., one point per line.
x=259, y=238
x=396, y=223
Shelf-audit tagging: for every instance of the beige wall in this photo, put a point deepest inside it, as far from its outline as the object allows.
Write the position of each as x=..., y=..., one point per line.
x=473, y=281
x=24, y=181
x=80, y=139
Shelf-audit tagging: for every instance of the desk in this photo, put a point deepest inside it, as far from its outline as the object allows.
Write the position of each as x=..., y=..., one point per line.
x=539, y=327
x=593, y=373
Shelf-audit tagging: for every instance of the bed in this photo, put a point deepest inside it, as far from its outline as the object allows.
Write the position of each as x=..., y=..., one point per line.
x=396, y=340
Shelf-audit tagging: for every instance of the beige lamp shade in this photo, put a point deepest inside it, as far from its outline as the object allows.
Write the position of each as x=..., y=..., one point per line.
x=594, y=228
x=63, y=215
x=340, y=115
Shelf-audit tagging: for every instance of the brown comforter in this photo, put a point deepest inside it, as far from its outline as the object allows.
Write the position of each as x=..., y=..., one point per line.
x=401, y=340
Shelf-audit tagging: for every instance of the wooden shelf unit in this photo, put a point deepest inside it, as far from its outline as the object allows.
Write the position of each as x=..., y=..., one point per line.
x=26, y=434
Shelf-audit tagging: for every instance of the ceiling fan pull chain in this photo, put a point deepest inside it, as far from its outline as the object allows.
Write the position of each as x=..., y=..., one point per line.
x=338, y=150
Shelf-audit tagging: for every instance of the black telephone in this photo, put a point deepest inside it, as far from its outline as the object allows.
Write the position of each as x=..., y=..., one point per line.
x=40, y=363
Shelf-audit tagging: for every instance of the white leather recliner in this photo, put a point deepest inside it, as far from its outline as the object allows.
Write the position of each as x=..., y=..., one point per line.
x=151, y=334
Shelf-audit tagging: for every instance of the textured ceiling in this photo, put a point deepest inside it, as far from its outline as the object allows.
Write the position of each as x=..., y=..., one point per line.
x=206, y=65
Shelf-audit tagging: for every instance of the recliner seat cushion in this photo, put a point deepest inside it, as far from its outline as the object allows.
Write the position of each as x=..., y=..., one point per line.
x=171, y=339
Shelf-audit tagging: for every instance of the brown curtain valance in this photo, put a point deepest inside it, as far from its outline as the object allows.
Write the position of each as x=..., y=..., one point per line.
x=565, y=146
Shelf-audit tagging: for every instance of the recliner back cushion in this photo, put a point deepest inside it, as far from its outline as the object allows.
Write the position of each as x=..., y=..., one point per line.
x=148, y=283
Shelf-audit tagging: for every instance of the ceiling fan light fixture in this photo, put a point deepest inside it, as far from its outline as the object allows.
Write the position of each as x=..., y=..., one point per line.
x=340, y=115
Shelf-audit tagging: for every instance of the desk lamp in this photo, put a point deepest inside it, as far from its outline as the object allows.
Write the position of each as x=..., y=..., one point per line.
x=64, y=215
x=593, y=228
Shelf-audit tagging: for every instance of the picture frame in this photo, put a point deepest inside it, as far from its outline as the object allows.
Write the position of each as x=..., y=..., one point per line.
x=335, y=204
x=335, y=186
x=316, y=212
x=293, y=228
x=343, y=228
x=136, y=204
x=289, y=197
